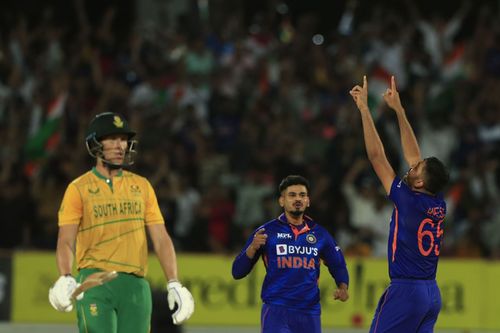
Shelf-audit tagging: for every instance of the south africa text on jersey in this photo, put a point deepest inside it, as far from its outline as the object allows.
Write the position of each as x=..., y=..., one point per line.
x=117, y=209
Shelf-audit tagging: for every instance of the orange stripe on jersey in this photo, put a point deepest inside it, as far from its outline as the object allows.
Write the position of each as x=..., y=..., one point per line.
x=298, y=232
x=395, y=235
x=380, y=312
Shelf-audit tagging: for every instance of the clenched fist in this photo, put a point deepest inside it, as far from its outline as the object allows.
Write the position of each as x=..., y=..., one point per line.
x=60, y=293
x=177, y=294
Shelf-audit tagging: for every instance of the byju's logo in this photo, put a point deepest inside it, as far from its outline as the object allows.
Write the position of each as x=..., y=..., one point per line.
x=281, y=249
x=284, y=249
x=283, y=235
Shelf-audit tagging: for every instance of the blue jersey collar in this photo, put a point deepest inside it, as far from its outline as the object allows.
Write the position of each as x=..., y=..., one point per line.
x=307, y=220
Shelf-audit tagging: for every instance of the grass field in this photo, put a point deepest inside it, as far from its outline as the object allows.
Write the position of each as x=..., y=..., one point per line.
x=34, y=328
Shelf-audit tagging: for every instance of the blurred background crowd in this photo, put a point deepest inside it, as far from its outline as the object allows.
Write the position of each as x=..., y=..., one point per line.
x=228, y=97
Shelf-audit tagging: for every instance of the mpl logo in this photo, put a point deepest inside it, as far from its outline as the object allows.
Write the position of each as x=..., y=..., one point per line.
x=283, y=235
x=281, y=249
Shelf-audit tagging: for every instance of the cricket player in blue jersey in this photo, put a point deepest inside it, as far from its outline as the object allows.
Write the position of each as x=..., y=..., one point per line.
x=292, y=247
x=412, y=301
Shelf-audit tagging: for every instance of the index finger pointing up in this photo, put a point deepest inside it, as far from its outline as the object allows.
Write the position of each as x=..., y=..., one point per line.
x=393, y=83
x=365, y=82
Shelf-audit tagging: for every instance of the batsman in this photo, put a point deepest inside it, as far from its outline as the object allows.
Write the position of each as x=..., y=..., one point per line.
x=102, y=226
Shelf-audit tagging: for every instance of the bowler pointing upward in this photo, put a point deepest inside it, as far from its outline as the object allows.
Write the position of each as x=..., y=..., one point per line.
x=412, y=302
x=292, y=247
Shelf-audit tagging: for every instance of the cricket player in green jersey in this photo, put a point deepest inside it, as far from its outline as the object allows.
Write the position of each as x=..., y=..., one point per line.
x=102, y=222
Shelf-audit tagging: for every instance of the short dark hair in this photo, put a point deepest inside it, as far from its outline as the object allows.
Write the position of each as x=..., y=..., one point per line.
x=436, y=175
x=293, y=180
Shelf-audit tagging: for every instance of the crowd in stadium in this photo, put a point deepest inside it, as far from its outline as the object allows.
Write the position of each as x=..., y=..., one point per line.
x=224, y=110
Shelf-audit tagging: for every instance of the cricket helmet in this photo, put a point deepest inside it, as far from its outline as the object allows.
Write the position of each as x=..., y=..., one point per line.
x=105, y=124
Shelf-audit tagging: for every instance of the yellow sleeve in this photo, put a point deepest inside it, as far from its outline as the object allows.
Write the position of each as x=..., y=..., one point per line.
x=153, y=213
x=71, y=210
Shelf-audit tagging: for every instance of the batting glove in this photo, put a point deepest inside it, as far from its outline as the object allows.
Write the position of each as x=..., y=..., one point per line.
x=177, y=294
x=60, y=293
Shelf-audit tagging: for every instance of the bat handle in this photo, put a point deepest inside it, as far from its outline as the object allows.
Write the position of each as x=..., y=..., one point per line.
x=76, y=292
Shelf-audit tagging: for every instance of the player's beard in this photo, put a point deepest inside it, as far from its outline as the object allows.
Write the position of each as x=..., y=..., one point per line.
x=296, y=212
x=406, y=178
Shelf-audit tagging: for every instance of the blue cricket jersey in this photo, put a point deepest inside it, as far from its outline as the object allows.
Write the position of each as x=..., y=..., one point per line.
x=415, y=233
x=292, y=259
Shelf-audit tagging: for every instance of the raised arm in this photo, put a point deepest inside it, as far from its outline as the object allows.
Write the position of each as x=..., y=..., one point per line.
x=374, y=147
x=409, y=142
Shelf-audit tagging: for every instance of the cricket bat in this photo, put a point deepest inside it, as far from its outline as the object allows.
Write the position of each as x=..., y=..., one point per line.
x=94, y=280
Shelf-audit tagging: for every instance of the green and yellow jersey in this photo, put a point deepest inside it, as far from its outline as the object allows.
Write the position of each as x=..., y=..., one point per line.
x=112, y=215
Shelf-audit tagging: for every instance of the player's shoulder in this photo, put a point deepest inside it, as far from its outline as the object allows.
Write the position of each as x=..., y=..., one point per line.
x=83, y=179
x=433, y=206
x=320, y=231
x=129, y=175
x=272, y=222
x=400, y=185
x=317, y=227
x=400, y=190
x=312, y=224
x=270, y=225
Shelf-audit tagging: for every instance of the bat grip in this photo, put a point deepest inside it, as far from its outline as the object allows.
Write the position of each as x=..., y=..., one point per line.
x=77, y=292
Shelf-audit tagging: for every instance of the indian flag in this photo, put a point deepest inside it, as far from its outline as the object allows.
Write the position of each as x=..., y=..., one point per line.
x=378, y=82
x=441, y=97
x=453, y=65
x=45, y=140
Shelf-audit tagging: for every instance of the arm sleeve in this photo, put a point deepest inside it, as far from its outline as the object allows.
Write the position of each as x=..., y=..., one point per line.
x=400, y=193
x=152, y=215
x=71, y=210
x=334, y=259
x=242, y=265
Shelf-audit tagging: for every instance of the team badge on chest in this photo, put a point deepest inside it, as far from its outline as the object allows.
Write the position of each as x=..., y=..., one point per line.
x=310, y=238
